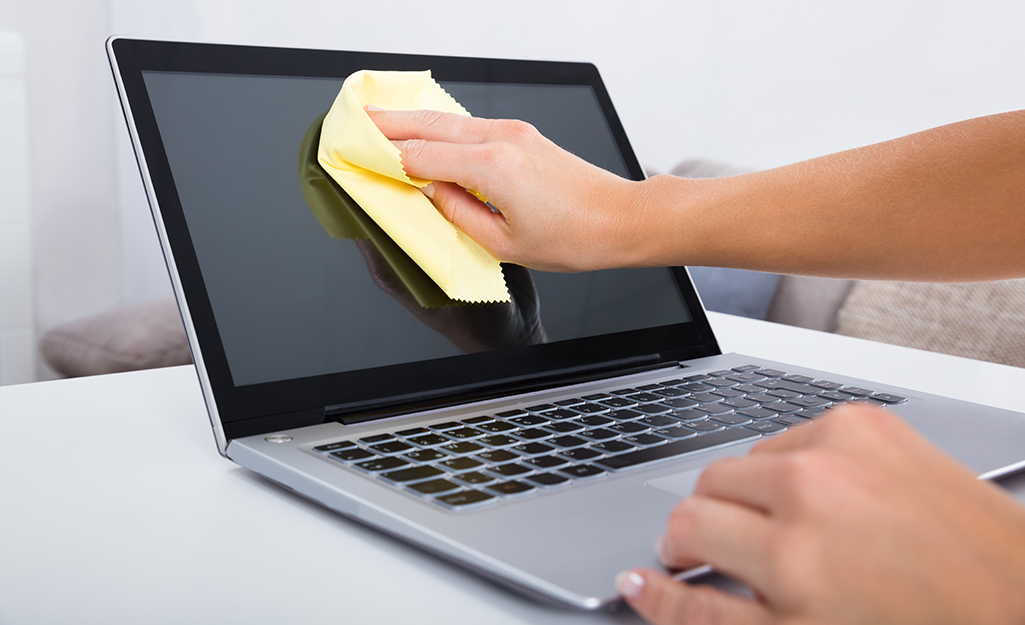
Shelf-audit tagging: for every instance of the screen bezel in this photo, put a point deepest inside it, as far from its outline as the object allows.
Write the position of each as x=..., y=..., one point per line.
x=272, y=406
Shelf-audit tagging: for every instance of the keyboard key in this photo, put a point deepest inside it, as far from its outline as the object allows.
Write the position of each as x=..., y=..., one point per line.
x=477, y=420
x=800, y=379
x=727, y=393
x=595, y=397
x=811, y=413
x=706, y=398
x=448, y=425
x=497, y=455
x=600, y=434
x=412, y=473
x=541, y=408
x=677, y=432
x=676, y=448
x=689, y=415
x=352, y=454
x=465, y=499
x=561, y=413
x=548, y=480
x=624, y=415
x=771, y=373
x=511, y=469
x=671, y=392
x=545, y=462
x=529, y=421
x=566, y=403
x=497, y=427
x=790, y=420
x=649, y=387
x=739, y=404
x=704, y=426
x=731, y=419
x=391, y=447
x=564, y=427
x=532, y=434
x=509, y=414
x=744, y=378
x=381, y=464
x=787, y=407
x=720, y=382
x=624, y=391
x=763, y=399
x=695, y=378
x=615, y=447
x=782, y=393
x=474, y=478
x=412, y=432
x=765, y=427
x=826, y=384
x=809, y=402
x=335, y=446
x=432, y=487
x=857, y=392
x=582, y=471
x=462, y=448
x=377, y=438
x=680, y=402
x=745, y=368
x=618, y=402
x=497, y=440
x=658, y=421
x=580, y=454
x=644, y=397
x=511, y=489
x=533, y=449
x=644, y=440
x=758, y=413
x=698, y=387
x=461, y=464
x=887, y=398
x=591, y=408
x=594, y=421
x=654, y=408
x=568, y=441
x=630, y=427
x=835, y=396
x=425, y=455
x=428, y=440
x=713, y=408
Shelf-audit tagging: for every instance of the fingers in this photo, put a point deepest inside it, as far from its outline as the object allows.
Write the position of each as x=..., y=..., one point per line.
x=733, y=538
x=471, y=216
x=431, y=126
x=664, y=601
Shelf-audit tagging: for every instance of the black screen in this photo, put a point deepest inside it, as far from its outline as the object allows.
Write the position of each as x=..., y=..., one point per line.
x=289, y=300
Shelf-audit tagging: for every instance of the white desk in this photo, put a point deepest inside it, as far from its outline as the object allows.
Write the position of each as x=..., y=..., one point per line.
x=116, y=507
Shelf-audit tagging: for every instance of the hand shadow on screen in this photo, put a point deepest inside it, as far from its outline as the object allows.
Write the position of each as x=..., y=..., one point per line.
x=472, y=327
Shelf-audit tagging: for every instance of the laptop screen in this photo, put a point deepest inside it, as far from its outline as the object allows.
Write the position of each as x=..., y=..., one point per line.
x=290, y=303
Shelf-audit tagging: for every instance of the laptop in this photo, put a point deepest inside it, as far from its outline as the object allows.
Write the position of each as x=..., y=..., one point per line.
x=540, y=442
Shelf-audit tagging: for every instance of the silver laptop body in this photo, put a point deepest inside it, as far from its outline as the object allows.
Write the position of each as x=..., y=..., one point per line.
x=301, y=351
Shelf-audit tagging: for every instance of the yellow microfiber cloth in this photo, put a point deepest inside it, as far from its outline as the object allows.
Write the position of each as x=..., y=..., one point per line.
x=366, y=164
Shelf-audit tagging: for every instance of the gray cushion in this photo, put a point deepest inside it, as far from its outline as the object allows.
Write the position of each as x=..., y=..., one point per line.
x=138, y=336
x=981, y=320
x=809, y=302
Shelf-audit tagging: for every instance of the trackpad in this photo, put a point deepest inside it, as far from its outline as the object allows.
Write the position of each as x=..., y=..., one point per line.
x=681, y=484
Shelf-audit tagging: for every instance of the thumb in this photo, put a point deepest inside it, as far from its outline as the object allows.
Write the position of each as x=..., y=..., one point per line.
x=662, y=600
x=470, y=215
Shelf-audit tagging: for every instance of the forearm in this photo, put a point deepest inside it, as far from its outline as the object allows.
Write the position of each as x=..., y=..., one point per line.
x=944, y=204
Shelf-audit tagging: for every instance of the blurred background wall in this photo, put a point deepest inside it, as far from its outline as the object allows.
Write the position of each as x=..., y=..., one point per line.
x=750, y=82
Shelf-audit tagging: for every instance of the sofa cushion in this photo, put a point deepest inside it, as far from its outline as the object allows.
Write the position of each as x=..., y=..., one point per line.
x=138, y=336
x=809, y=302
x=981, y=320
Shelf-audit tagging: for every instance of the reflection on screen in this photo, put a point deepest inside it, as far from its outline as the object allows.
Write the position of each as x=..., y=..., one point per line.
x=291, y=301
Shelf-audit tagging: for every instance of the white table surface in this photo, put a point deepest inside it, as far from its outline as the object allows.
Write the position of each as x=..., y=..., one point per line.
x=116, y=507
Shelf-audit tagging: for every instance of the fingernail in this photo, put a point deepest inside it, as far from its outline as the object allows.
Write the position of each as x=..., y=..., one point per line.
x=428, y=190
x=371, y=107
x=629, y=584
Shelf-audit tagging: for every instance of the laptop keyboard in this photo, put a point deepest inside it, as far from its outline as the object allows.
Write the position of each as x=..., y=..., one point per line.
x=477, y=461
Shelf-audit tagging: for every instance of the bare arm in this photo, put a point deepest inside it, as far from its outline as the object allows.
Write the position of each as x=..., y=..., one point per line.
x=944, y=204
